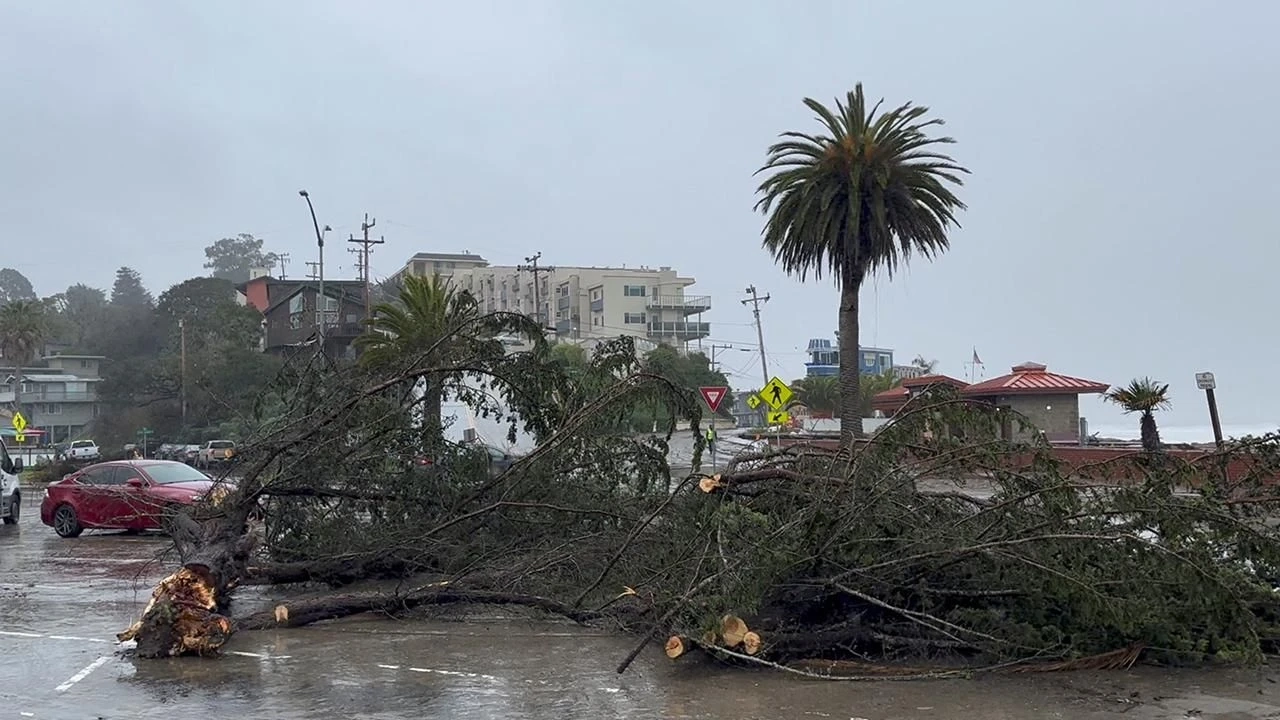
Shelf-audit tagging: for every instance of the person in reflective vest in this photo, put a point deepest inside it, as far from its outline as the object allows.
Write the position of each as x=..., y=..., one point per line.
x=711, y=439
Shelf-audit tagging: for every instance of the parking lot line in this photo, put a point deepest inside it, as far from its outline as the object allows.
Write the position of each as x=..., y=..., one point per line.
x=84, y=673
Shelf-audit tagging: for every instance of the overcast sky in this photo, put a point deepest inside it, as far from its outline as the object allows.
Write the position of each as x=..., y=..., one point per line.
x=1121, y=209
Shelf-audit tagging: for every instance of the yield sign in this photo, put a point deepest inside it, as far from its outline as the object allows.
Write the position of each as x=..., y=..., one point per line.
x=714, y=396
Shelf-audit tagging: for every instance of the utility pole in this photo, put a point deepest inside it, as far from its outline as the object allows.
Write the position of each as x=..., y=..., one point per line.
x=532, y=266
x=182, y=343
x=313, y=265
x=716, y=347
x=365, y=246
x=283, y=259
x=755, y=301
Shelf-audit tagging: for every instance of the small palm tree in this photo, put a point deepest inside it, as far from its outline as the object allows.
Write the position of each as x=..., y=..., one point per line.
x=819, y=393
x=871, y=385
x=863, y=195
x=1143, y=396
x=23, y=327
x=429, y=324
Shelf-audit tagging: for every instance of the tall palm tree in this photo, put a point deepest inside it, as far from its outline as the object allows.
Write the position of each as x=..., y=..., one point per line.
x=1144, y=396
x=23, y=327
x=863, y=195
x=429, y=323
x=819, y=393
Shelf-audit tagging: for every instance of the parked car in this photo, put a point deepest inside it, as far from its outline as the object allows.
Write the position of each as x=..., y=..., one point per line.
x=188, y=454
x=83, y=451
x=121, y=495
x=166, y=451
x=216, y=452
x=495, y=459
x=10, y=492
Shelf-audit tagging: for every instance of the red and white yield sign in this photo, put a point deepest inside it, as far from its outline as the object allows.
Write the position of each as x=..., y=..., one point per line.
x=714, y=396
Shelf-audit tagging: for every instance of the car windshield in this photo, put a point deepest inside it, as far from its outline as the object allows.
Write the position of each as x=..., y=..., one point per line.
x=168, y=474
x=221, y=444
x=82, y=443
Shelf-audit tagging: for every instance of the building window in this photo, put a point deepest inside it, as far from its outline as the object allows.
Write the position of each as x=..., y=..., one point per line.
x=52, y=409
x=633, y=318
x=869, y=359
x=886, y=361
x=84, y=363
x=633, y=290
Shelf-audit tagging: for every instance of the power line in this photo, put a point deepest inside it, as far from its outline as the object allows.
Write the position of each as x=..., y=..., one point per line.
x=532, y=266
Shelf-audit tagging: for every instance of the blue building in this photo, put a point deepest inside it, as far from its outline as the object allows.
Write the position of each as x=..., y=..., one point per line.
x=824, y=359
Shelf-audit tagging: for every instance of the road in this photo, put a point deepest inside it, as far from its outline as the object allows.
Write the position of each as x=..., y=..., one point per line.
x=62, y=601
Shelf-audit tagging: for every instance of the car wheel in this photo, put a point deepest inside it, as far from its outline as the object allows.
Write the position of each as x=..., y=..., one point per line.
x=65, y=522
x=15, y=510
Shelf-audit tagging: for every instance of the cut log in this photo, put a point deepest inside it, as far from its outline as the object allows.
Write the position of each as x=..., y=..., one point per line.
x=751, y=642
x=710, y=483
x=709, y=638
x=732, y=630
x=676, y=646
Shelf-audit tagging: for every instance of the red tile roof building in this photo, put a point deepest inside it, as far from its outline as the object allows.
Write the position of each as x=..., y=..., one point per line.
x=1034, y=379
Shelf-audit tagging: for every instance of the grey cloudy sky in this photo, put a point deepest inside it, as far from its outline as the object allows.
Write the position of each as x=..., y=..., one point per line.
x=1121, y=216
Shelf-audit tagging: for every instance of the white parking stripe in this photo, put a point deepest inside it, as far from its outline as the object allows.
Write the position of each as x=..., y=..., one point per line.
x=102, y=660
x=14, y=633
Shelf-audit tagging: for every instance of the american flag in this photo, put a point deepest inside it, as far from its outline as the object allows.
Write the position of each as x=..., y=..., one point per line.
x=976, y=360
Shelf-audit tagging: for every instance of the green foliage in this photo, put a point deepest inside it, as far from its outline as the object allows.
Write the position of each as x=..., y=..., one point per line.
x=1143, y=396
x=819, y=393
x=23, y=330
x=14, y=286
x=863, y=196
x=232, y=258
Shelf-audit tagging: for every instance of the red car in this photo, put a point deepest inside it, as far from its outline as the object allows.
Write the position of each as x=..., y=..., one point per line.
x=125, y=495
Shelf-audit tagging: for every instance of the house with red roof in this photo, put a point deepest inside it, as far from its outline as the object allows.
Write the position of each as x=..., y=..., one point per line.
x=1051, y=402
x=891, y=401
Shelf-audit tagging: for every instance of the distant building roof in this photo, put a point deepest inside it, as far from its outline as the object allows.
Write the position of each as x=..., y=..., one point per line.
x=890, y=401
x=464, y=257
x=75, y=357
x=52, y=378
x=1031, y=378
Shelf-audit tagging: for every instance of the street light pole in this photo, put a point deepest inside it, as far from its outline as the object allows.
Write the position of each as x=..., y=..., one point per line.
x=320, y=303
x=182, y=329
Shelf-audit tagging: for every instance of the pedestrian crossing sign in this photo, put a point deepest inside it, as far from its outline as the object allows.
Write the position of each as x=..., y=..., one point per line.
x=778, y=417
x=776, y=394
x=754, y=401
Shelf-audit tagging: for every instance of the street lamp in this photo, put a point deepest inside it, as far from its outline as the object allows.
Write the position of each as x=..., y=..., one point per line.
x=320, y=303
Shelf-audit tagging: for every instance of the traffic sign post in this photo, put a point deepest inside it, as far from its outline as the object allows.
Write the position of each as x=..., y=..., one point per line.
x=19, y=425
x=145, y=433
x=776, y=394
x=713, y=395
x=1206, y=382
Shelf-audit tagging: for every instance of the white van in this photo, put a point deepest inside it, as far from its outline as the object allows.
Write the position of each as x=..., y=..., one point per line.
x=10, y=495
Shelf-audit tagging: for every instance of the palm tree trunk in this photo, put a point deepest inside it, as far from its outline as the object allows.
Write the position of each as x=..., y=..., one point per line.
x=1150, y=434
x=850, y=404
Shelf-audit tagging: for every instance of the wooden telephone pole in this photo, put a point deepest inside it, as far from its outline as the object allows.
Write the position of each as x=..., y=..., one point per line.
x=755, y=300
x=532, y=266
x=366, y=246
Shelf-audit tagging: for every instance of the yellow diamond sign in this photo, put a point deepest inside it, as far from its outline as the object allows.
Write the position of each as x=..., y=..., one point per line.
x=19, y=422
x=776, y=393
x=753, y=401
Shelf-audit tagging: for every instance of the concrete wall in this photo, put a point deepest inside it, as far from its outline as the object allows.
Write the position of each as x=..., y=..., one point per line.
x=1057, y=416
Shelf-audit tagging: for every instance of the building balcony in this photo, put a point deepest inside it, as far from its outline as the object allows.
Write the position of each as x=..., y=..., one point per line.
x=563, y=302
x=53, y=396
x=689, y=305
x=344, y=330
x=597, y=305
x=679, y=330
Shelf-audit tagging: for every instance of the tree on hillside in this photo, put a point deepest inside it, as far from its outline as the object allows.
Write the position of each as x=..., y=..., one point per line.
x=1143, y=396
x=22, y=334
x=819, y=393
x=208, y=308
x=14, y=286
x=128, y=290
x=232, y=258
x=861, y=196
x=80, y=311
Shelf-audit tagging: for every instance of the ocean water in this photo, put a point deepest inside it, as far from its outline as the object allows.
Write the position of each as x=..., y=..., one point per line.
x=1182, y=433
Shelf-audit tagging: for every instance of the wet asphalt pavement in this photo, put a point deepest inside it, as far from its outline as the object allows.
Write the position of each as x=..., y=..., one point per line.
x=62, y=601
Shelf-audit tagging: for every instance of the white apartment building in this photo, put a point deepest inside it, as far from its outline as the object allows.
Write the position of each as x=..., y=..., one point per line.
x=580, y=303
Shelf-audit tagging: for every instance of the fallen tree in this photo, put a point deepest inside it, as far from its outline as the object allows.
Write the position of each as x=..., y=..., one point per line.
x=929, y=543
